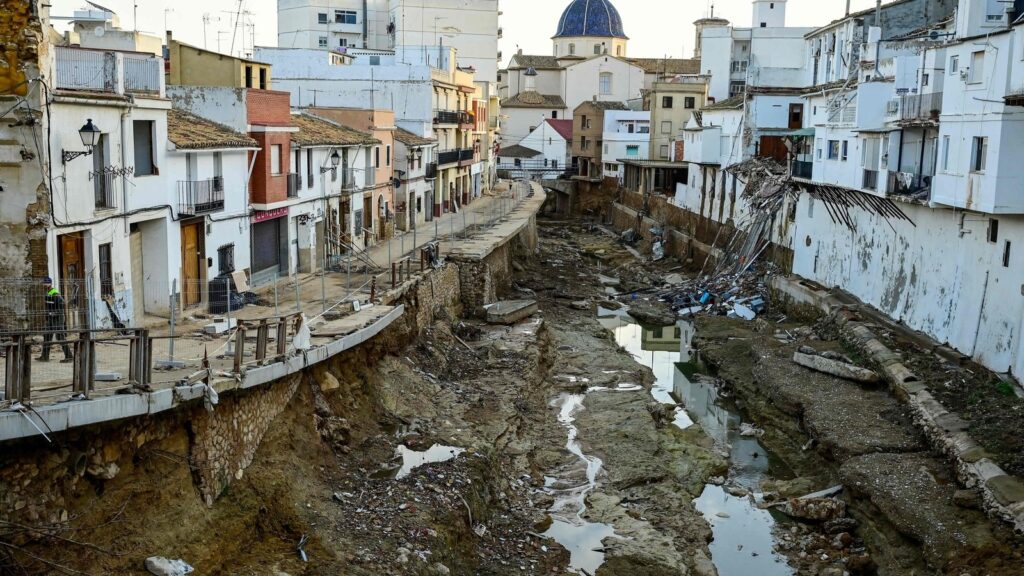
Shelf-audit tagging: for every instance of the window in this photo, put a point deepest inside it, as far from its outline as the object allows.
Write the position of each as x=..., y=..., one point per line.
x=572, y=49
x=945, y=153
x=666, y=102
x=846, y=150
x=689, y=103
x=597, y=48
x=226, y=259
x=344, y=17
x=666, y=127
x=145, y=154
x=106, y=270
x=977, y=71
x=554, y=114
x=954, y=65
x=387, y=156
x=518, y=162
x=993, y=230
x=342, y=42
x=321, y=18
x=309, y=168
x=618, y=50
x=606, y=83
x=925, y=78
x=376, y=156
x=633, y=150
x=796, y=116
x=1006, y=254
x=248, y=76
x=275, y=159
x=322, y=42
x=979, y=151
x=833, y=149
x=736, y=87
x=374, y=60
x=605, y=148
x=263, y=79
x=664, y=151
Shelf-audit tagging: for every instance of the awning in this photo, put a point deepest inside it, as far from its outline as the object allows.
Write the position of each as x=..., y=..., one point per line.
x=802, y=132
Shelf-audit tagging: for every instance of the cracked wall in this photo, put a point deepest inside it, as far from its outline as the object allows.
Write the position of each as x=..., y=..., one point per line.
x=941, y=275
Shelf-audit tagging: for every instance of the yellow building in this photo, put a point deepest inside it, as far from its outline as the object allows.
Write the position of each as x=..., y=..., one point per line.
x=189, y=65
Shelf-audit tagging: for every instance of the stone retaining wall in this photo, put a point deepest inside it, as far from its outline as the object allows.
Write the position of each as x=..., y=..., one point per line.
x=1002, y=493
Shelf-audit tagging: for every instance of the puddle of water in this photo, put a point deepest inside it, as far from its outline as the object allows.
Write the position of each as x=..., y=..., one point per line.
x=743, y=543
x=743, y=533
x=656, y=348
x=436, y=453
x=568, y=528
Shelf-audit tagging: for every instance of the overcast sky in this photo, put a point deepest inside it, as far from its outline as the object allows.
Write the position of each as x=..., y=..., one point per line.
x=656, y=28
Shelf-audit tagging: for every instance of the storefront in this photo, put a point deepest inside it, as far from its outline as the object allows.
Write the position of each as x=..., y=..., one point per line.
x=269, y=244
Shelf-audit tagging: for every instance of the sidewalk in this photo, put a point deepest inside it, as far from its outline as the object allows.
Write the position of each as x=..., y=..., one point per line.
x=326, y=300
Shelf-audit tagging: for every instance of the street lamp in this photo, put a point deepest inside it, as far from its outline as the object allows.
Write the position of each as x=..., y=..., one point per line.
x=90, y=135
x=335, y=161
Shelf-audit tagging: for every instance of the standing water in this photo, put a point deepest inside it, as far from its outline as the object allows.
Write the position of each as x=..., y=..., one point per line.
x=743, y=543
x=582, y=539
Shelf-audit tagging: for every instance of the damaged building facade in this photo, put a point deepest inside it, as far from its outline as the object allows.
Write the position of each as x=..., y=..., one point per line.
x=876, y=155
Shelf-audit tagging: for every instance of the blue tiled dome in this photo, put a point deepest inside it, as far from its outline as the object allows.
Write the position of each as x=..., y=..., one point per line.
x=590, y=18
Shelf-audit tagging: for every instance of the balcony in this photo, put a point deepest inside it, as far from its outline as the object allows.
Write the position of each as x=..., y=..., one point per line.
x=452, y=117
x=104, y=185
x=197, y=197
x=1015, y=97
x=739, y=66
x=870, y=180
x=448, y=157
x=108, y=71
x=294, y=185
x=909, y=183
x=918, y=108
x=803, y=169
x=348, y=178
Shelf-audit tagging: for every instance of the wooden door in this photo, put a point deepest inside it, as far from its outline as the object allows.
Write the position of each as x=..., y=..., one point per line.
x=796, y=116
x=72, y=277
x=138, y=277
x=192, y=259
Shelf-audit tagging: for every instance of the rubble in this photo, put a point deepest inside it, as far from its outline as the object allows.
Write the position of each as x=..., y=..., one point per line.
x=836, y=368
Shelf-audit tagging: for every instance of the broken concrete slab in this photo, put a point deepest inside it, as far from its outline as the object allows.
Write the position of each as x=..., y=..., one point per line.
x=836, y=368
x=510, y=311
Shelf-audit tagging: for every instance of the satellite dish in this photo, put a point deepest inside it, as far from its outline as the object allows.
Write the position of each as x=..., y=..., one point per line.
x=99, y=31
x=397, y=183
x=934, y=35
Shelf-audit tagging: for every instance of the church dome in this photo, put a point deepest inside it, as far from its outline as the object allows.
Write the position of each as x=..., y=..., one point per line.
x=590, y=18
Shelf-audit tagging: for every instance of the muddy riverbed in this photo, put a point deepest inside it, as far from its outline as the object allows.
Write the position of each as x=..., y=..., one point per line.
x=577, y=441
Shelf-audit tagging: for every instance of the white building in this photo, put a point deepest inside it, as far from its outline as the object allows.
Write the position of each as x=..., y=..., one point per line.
x=471, y=27
x=768, y=54
x=544, y=153
x=114, y=204
x=627, y=134
x=413, y=157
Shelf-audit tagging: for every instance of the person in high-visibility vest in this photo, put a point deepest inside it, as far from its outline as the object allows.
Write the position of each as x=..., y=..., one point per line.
x=55, y=323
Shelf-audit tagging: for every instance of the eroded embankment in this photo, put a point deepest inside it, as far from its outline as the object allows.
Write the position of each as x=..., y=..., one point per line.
x=909, y=511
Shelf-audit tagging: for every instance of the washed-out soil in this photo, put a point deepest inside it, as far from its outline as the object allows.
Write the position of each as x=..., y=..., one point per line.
x=325, y=472
x=986, y=401
x=903, y=499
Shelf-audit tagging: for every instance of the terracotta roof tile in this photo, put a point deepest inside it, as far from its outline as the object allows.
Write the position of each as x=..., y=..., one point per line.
x=563, y=127
x=190, y=132
x=533, y=99
x=316, y=131
x=410, y=139
x=668, y=66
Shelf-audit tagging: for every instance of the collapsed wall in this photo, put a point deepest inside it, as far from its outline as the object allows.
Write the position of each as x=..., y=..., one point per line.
x=51, y=481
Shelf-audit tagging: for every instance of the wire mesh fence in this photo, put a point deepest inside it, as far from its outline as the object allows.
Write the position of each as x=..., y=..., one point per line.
x=101, y=337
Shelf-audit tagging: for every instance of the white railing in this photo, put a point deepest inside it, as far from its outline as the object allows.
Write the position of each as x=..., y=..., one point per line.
x=108, y=71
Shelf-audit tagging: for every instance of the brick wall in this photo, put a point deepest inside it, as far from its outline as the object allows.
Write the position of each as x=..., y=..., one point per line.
x=268, y=107
x=267, y=188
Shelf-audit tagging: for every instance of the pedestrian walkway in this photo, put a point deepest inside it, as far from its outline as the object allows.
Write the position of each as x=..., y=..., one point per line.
x=331, y=303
